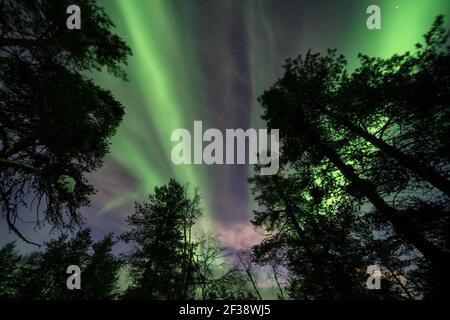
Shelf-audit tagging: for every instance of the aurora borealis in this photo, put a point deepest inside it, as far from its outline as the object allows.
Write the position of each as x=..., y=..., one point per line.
x=209, y=60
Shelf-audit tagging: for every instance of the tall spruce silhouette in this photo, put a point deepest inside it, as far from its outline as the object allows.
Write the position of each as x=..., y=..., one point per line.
x=168, y=261
x=162, y=264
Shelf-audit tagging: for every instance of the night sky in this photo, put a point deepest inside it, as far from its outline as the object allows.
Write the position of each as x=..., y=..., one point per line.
x=209, y=60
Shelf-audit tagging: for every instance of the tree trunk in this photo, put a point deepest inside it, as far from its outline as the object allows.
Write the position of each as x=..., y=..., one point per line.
x=17, y=165
x=289, y=212
x=247, y=269
x=421, y=170
x=274, y=269
x=438, y=257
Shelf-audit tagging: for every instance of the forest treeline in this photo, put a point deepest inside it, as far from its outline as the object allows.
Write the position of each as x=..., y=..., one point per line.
x=165, y=261
x=364, y=174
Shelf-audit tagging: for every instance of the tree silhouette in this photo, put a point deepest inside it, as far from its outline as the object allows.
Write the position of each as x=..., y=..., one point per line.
x=100, y=278
x=363, y=179
x=214, y=277
x=55, y=123
x=323, y=254
x=42, y=275
x=37, y=32
x=162, y=264
x=9, y=264
x=167, y=261
x=357, y=154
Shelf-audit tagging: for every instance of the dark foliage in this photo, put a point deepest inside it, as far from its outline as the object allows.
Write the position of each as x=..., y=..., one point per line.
x=42, y=275
x=365, y=177
x=55, y=123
